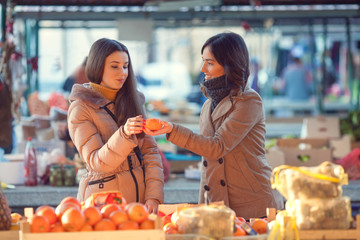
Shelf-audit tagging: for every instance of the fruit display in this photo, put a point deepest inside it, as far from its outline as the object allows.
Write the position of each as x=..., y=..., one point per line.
x=103, y=212
x=73, y=220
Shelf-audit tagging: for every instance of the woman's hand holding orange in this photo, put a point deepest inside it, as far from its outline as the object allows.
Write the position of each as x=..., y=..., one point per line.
x=134, y=125
x=167, y=128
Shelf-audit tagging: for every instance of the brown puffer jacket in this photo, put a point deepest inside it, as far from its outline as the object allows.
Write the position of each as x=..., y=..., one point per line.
x=107, y=150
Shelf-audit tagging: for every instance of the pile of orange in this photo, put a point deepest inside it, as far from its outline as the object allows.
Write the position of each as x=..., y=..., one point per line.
x=68, y=216
x=170, y=222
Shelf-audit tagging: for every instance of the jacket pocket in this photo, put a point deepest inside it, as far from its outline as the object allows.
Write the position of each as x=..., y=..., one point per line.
x=105, y=184
x=101, y=181
x=247, y=172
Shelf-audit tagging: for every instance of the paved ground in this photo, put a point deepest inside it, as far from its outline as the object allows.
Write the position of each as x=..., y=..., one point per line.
x=176, y=190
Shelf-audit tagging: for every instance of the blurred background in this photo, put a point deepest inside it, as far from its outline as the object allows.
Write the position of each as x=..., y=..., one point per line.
x=45, y=42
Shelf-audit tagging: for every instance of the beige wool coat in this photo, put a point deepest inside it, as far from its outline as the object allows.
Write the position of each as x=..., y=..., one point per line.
x=105, y=149
x=232, y=145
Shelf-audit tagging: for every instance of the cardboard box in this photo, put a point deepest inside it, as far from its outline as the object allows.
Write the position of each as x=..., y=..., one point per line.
x=321, y=127
x=170, y=208
x=305, y=152
x=152, y=234
x=12, y=170
x=275, y=157
x=9, y=235
x=340, y=146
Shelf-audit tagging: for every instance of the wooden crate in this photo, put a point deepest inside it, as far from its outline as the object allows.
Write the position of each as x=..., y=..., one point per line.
x=324, y=234
x=332, y=234
x=9, y=235
x=153, y=234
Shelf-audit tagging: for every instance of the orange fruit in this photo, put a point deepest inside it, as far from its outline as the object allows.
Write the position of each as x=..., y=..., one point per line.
x=153, y=124
x=62, y=207
x=147, y=224
x=105, y=224
x=128, y=225
x=137, y=212
x=15, y=217
x=72, y=220
x=118, y=217
x=72, y=200
x=170, y=228
x=259, y=225
x=57, y=227
x=86, y=228
x=239, y=231
x=109, y=208
x=48, y=212
x=39, y=224
x=92, y=215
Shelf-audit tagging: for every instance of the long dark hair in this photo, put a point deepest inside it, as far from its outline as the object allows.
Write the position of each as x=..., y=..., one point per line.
x=127, y=100
x=230, y=51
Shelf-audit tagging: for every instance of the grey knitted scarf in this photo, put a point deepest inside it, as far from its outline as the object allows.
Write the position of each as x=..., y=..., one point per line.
x=217, y=89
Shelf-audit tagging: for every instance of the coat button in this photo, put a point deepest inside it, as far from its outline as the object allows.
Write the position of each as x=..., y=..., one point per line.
x=221, y=160
x=205, y=163
x=206, y=187
x=222, y=182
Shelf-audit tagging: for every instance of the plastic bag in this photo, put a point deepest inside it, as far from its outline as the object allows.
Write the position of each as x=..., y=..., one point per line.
x=351, y=164
x=102, y=198
x=283, y=227
x=331, y=213
x=323, y=181
x=212, y=220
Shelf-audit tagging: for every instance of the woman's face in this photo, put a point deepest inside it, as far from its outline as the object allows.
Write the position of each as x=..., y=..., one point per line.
x=210, y=67
x=115, y=70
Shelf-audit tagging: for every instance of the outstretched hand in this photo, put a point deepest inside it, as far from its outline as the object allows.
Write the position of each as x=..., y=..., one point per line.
x=167, y=128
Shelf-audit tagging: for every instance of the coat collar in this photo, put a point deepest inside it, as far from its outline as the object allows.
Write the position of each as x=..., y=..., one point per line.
x=221, y=109
x=85, y=93
x=224, y=107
